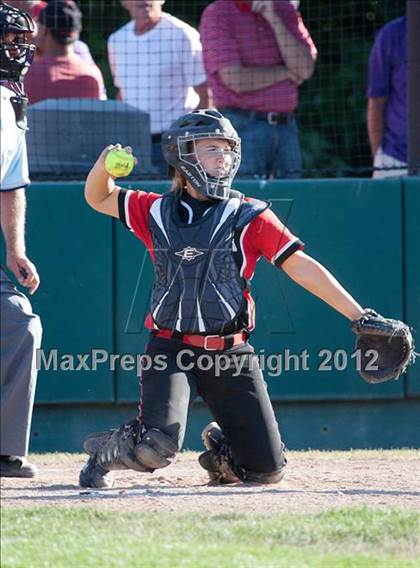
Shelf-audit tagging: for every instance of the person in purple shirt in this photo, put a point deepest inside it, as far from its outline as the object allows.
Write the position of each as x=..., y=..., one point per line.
x=387, y=100
x=256, y=55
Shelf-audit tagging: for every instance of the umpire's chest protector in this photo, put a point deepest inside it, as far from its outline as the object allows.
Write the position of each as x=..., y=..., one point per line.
x=197, y=286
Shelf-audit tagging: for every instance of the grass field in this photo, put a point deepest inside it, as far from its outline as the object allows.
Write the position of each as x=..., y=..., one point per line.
x=73, y=537
x=332, y=510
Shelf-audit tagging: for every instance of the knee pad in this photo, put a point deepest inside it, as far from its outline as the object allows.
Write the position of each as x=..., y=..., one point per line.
x=223, y=470
x=155, y=449
x=114, y=449
x=221, y=466
x=275, y=475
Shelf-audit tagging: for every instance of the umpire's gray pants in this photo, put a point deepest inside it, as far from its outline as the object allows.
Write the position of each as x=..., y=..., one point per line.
x=20, y=337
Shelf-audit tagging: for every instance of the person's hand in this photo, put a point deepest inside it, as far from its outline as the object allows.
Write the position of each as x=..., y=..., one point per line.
x=100, y=162
x=267, y=10
x=295, y=78
x=24, y=271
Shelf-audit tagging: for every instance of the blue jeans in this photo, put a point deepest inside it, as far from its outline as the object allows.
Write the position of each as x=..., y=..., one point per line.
x=267, y=150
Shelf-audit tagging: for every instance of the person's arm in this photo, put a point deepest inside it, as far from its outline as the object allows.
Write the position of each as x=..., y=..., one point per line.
x=241, y=79
x=101, y=193
x=299, y=58
x=204, y=92
x=315, y=278
x=376, y=121
x=382, y=59
x=112, y=67
x=13, y=207
x=222, y=55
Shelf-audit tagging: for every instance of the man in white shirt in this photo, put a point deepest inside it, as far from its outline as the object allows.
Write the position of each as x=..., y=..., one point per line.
x=156, y=63
x=20, y=328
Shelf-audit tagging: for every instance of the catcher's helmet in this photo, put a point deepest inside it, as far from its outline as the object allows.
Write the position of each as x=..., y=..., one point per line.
x=179, y=150
x=16, y=55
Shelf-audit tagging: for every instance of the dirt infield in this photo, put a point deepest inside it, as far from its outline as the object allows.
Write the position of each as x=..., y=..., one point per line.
x=314, y=481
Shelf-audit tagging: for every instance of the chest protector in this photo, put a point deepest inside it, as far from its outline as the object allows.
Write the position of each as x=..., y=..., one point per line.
x=197, y=286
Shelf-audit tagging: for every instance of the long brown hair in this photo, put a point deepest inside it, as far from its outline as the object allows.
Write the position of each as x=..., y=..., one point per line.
x=178, y=182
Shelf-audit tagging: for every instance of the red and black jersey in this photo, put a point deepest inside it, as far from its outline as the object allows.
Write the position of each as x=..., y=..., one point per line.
x=264, y=235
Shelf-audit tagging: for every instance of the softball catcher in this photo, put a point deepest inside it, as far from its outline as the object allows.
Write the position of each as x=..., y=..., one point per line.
x=205, y=239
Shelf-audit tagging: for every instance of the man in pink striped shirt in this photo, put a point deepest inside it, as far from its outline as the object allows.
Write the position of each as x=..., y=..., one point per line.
x=256, y=54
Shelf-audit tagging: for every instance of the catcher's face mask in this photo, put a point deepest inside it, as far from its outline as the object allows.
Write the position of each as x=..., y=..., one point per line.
x=16, y=52
x=212, y=161
x=205, y=149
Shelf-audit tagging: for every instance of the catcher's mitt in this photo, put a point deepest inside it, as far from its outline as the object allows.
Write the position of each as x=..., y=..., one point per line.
x=386, y=347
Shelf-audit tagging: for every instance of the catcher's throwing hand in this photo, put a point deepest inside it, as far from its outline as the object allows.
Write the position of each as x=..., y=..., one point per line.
x=100, y=162
x=389, y=339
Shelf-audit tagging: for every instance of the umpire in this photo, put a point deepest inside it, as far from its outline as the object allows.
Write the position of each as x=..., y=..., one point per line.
x=20, y=327
x=205, y=240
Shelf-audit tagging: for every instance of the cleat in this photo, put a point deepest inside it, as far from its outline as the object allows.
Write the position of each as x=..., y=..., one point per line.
x=212, y=436
x=216, y=459
x=16, y=466
x=94, y=475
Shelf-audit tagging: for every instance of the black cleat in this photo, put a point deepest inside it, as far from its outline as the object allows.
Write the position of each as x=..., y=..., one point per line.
x=94, y=475
x=16, y=466
x=216, y=461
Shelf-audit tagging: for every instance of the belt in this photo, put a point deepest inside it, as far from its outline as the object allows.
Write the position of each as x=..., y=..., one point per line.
x=207, y=342
x=272, y=118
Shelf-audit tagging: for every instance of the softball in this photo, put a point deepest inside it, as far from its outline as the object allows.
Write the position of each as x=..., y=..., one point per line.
x=119, y=163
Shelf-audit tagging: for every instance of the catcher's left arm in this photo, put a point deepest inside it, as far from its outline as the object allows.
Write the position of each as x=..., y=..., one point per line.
x=390, y=341
x=315, y=278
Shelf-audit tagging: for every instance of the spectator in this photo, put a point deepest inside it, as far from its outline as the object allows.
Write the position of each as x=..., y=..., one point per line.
x=256, y=54
x=35, y=7
x=156, y=63
x=59, y=72
x=387, y=100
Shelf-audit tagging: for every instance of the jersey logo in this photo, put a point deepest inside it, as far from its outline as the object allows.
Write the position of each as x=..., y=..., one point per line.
x=189, y=253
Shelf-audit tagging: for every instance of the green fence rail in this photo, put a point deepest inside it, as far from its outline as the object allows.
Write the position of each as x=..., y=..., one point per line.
x=96, y=280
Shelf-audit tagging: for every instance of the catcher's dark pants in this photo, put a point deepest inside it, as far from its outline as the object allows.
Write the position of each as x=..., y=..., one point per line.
x=240, y=404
